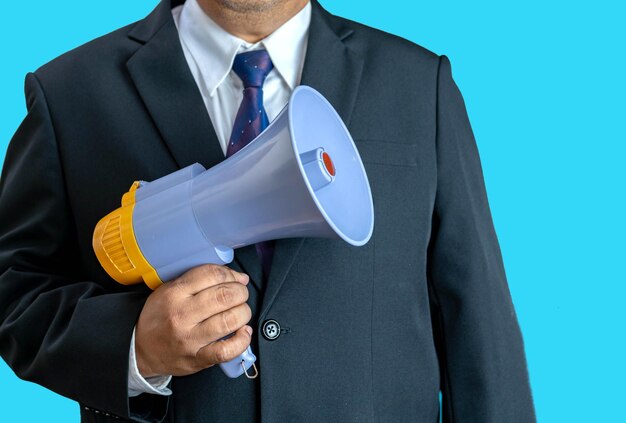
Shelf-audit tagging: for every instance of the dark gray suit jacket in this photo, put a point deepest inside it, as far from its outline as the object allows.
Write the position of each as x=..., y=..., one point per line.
x=369, y=334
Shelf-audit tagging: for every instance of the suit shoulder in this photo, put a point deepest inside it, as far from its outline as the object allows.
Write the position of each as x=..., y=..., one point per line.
x=372, y=42
x=98, y=56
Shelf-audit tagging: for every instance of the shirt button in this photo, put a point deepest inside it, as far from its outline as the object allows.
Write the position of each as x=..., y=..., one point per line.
x=271, y=330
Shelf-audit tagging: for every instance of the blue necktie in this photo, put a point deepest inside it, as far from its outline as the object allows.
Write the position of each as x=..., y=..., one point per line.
x=252, y=68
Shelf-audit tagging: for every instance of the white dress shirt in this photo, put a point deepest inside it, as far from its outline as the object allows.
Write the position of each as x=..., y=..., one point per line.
x=210, y=52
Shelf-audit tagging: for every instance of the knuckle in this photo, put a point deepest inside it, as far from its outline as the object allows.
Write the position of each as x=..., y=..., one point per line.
x=174, y=288
x=171, y=320
x=223, y=352
x=170, y=324
x=229, y=321
x=217, y=272
x=170, y=293
x=224, y=295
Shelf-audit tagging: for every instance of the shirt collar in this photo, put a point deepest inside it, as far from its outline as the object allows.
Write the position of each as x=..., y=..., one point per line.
x=214, y=49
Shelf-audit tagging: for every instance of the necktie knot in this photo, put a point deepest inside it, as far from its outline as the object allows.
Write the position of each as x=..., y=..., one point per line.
x=253, y=67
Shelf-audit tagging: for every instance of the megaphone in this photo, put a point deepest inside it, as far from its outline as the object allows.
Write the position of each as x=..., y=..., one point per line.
x=301, y=177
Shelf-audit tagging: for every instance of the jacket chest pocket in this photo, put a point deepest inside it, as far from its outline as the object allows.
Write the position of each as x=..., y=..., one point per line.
x=396, y=181
x=380, y=152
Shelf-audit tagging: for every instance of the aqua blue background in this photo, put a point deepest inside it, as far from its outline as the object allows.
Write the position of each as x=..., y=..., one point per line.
x=544, y=83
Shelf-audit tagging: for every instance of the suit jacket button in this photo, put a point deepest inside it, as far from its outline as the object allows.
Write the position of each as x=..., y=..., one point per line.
x=271, y=330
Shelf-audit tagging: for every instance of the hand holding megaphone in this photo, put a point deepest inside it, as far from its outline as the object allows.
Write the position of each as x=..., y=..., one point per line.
x=180, y=328
x=301, y=177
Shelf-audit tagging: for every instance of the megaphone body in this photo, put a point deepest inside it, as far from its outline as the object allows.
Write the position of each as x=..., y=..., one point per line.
x=301, y=177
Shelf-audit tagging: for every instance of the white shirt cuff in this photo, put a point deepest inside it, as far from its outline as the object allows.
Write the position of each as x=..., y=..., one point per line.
x=137, y=384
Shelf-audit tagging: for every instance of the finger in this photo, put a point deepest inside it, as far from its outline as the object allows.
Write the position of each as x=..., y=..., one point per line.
x=214, y=300
x=206, y=276
x=222, y=324
x=225, y=350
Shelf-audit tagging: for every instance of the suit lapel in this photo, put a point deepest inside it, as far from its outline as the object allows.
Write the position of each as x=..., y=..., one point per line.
x=335, y=71
x=162, y=77
x=330, y=66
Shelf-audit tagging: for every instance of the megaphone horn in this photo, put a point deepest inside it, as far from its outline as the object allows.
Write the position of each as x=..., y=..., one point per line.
x=301, y=177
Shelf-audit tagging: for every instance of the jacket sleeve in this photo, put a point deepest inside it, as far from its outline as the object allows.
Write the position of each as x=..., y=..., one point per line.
x=483, y=366
x=56, y=329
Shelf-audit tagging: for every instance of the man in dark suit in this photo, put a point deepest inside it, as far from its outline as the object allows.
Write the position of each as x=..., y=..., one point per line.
x=373, y=333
